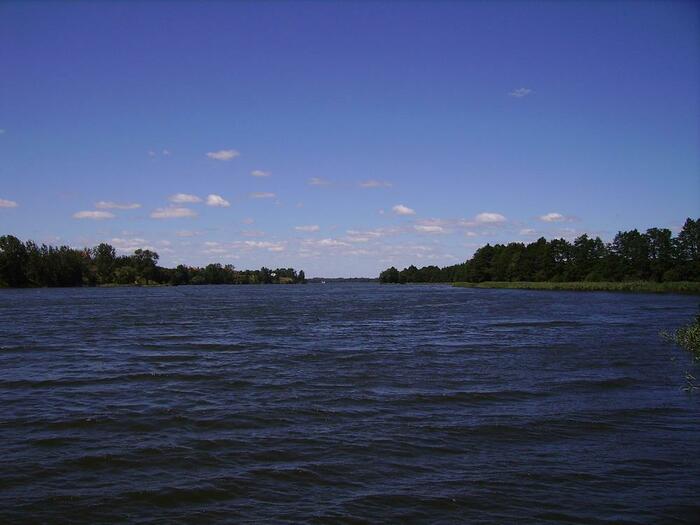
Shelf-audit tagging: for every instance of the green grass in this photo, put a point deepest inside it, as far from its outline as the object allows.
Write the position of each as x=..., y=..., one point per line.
x=585, y=286
x=688, y=338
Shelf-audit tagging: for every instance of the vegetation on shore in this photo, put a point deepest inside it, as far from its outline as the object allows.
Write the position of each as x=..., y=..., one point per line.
x=692, y=287
x=688, y=338
x=654, y=257
x=30, y=265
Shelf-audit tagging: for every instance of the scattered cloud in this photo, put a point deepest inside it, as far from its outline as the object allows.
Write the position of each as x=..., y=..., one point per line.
x=129, y=245
x=164, y=153
x=470, y=233
x=217, y=201
x=265, y=245
x=94, y=215
x=187, y=233
x=260, y=173
x=375, y=184
x=223, y=154
x=181, y=198
x=248, y=220
x=318, y=181
x=554, y=217
x=173, y=212
x=429, y=228
x=253, y=233
x=360, y=236
x=4, y=203
x=567, y=233
x=400, y=209
x=432, y=226
x=262, y=195
x=324, y=243
x=520, y=92
x=109, y=205
x=528, y=232
x=490, y=218
x=308, y=228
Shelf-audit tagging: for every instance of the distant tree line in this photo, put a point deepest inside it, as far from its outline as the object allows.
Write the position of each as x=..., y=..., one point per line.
x=28, y=264
x=632, y=256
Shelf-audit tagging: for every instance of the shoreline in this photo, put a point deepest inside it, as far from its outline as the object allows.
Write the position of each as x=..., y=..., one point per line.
x=683, y=287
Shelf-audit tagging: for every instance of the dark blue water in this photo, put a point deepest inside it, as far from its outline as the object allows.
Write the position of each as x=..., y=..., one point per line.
x=344, y=404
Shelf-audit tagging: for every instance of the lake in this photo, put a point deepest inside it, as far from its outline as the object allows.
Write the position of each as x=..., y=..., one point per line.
x=345, y=403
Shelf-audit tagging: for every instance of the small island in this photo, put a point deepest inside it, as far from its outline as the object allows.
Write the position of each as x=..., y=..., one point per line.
x=30, y=265
x=654, y=261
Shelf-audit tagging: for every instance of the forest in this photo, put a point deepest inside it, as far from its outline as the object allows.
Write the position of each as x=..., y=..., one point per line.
x=655, y=255
x=30, y=265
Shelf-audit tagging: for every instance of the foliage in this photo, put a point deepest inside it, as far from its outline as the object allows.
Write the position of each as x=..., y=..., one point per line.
x=27, y=264
x=688, y=338
x=653, y=256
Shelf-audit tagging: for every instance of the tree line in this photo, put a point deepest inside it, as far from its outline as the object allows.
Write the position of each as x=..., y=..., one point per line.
x=655, y=255
x=28, y=264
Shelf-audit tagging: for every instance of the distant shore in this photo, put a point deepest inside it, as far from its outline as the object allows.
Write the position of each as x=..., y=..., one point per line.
x=688, y=287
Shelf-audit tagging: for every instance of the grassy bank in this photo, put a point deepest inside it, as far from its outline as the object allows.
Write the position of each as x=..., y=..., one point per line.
x=584, y=286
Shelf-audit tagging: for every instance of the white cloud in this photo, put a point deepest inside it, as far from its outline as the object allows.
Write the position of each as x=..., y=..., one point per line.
x=358, y=238
x=400, y=209
x=553, y=217
x=265, y=245
x=470, y=234
x=166, y=152
x=490, y=218
x=129, y=245
x=181, y=198
x=262, y=195
x=528, y=231
x=4, y=203
x=2, y=131
x=318, y=181
x=331, y=242
x=94, y=215
x=223, y=154
x=109, y=205
x=520, y=92
x=429, y=228
x=308, y=228
x=260, y=173
x=217, y=201
x=172, y=213
x=375, y=184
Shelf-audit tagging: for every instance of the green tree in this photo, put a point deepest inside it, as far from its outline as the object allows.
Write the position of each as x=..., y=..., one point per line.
x=13, y=259
x=144, y=262
x=105, y=257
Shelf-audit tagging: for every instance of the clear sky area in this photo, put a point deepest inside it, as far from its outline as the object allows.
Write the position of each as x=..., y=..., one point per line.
x=345, y=137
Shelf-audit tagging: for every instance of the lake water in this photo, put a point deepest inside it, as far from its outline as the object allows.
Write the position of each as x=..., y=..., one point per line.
x=345, y=404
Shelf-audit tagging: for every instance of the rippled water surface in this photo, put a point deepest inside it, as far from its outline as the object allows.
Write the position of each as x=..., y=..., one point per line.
x=344, y=404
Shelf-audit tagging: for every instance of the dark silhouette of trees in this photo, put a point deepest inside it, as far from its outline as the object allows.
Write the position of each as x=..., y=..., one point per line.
x=631, y=256
x=27, y=264
x=13, y=261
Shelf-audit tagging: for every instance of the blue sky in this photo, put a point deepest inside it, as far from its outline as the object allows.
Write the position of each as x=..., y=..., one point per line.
x=345, y=137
